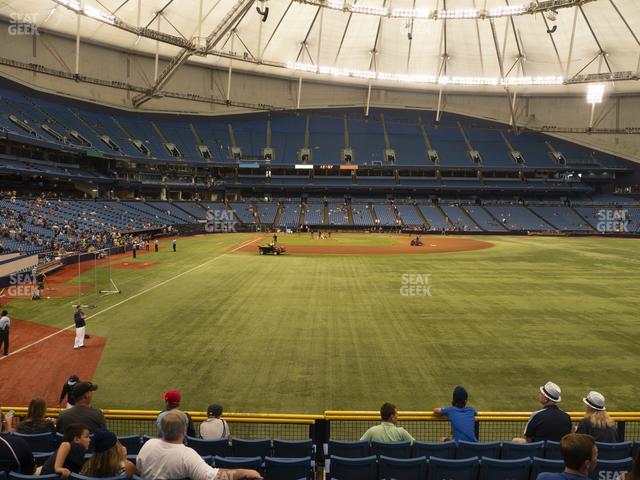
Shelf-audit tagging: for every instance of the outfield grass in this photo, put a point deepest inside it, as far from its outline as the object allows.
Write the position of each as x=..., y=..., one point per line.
x=306, y=333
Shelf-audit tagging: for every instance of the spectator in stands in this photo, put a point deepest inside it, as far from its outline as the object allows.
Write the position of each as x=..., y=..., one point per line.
x=168, y=458
x=35, y=421
x=16, y=455
x=580, y=456
x=634, y=473
x=597, y=421
x=70, y=454
x=172, y=401
x=214, y=428
x=5, y=323
x=387, y=431
x=549, y=423
x=82, y=412
x=109, y=457
x=66, y=399
x=461, y=417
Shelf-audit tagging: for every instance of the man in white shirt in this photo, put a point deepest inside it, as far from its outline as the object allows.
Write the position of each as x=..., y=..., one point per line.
x=214, y=428
x=168, y=458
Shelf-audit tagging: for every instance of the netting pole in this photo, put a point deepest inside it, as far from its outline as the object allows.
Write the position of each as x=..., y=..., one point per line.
x=79, y=279
x=95, y=273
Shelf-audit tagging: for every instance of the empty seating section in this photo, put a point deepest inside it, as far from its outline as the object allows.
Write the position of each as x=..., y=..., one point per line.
x=287, y=137
x=250, y=136
x=140, y=129
x=533, y=149
x=491, y=146
x=361, y=215
x=459, y=219
x=409, y=216
x=573, y=153
x=194, y=209
x=449, y=143
x=215, y=135
x=179, y=133
x=434, y=217
x=563, y=218
x=326, y=140
x=173, y=211
x=244, y=212
x=338, y=214
x=151, y=213
x=376, y=181
x=267, y=212
x=515, y=217
x=609, y=218
x=484, y=219
x=408, y=143
x=289, y=215
x=386, y=215
x=314, y=214
x=104, y=124
x=367, y=142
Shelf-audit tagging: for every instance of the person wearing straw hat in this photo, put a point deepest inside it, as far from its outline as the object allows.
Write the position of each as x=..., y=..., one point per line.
x=597, y=422
x=548, y=423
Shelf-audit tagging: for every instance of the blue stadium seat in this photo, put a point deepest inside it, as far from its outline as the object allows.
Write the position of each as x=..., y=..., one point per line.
x=364, y=468
x=494, y=469
x=57, y=439
x=402, y=468
x=611, y=469
x=39, y=442
x=75, y=476
x=209, y=447
x=253, y=463
x=614, y=451
x=287, y=468
x=132, y=443
x=636, y=448
x=391, y=449
x=435, y=449
x=514, y=450
x=3, y=475
x=480, y=449
x=41, y=457
x=293, y=448
x=444, y=468
x=348, y=449
x=541, y=465
x=552, y=450
x=19, y=476
x=250, y=448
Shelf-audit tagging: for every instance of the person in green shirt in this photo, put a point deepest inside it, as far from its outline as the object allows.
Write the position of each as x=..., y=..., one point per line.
x=387, y=431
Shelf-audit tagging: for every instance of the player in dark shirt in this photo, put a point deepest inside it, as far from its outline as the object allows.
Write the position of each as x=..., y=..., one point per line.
x=66, y=399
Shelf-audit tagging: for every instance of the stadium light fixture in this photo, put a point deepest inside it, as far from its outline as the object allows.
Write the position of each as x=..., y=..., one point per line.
x=425, y=79
x=595, y=92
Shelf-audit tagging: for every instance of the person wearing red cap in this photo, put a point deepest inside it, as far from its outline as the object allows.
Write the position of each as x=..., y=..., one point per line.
x=172, y=402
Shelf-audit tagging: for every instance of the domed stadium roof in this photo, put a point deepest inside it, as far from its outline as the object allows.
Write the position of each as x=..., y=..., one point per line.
x=476, y=45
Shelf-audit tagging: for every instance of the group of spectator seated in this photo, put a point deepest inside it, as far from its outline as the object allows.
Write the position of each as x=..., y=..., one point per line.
x=550, y=449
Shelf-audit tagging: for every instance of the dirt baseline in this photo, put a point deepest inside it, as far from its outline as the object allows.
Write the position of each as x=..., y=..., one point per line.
x=432, y=244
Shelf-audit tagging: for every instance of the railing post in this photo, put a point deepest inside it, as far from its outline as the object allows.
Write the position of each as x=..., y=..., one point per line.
x=476, y=429
x=321, y=434
x=621, y=430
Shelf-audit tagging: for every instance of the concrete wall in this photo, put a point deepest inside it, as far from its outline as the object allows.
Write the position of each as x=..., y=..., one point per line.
x=533, y=110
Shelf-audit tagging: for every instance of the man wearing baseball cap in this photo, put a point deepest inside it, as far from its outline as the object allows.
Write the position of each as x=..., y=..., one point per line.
x=549, y=423
x=597, y=421
x=172, y=402
x=214, y=427
x=82, y=412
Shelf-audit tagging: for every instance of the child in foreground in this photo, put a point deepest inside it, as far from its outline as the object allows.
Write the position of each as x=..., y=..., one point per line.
x=461, y=417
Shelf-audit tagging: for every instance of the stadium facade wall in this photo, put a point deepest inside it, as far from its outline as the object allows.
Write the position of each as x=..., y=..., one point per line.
x=57, y=52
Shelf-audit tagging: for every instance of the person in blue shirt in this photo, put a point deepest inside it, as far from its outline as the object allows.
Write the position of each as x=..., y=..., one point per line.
x=580, y=455
x=461, y=417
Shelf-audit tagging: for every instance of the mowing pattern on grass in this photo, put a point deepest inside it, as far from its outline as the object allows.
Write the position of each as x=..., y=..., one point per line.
x=309, y=333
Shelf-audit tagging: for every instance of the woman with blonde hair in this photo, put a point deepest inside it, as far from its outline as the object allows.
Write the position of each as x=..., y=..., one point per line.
x=35, y=421
x=597, y=421
x=109, y=458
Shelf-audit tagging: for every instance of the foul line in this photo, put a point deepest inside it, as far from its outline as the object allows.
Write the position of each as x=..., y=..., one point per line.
x=131, y=298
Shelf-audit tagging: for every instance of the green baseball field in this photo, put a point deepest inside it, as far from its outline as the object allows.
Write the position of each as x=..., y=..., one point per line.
x=350, y=329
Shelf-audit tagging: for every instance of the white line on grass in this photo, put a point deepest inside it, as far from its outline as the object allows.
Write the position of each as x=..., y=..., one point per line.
x=131, y=297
